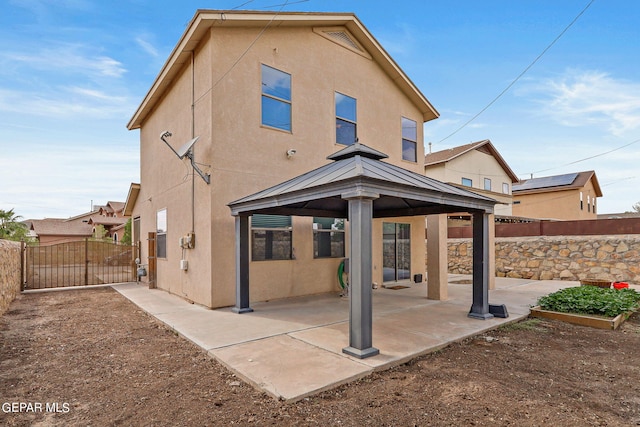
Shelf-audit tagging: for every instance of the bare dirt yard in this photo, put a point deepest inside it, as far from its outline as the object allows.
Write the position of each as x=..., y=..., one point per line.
x=90, y=357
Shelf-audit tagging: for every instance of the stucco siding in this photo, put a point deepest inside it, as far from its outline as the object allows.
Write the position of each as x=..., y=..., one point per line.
x=244, y=157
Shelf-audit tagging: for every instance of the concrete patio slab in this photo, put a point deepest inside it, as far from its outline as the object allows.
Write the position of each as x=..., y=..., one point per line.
x=272, y=346
x=287, y=368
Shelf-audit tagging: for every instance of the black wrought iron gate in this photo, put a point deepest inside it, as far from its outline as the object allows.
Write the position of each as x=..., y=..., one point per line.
x=80, y=263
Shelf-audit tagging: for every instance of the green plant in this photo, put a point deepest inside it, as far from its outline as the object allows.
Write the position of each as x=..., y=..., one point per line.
x=126, y=238
x=591, y=300
x=10, y=226
x=534, y=325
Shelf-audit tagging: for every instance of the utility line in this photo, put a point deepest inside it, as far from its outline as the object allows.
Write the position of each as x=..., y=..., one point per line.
x=588, y=158
x=237, y=61
x=520, y=75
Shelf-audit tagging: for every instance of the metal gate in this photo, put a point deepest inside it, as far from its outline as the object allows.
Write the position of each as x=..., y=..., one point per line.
x=78, y=263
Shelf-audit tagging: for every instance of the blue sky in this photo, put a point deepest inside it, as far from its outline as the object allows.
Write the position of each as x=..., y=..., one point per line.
x=72, y=73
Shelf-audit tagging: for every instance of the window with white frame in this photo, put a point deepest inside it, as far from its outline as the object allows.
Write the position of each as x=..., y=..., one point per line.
x=346, y=119
x=161, y=233
x=271, y=237
x=328, y=237
x=487, y=184
x=505, y=188
x=276, y=98
x=409, y=140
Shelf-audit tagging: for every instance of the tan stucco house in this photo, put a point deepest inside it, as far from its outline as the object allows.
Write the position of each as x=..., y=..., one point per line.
x=571, y=196
x=249, y=100
x=478, y=166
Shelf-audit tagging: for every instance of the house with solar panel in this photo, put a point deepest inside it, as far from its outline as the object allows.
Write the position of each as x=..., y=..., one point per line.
x=273, y=146
x=571, y=196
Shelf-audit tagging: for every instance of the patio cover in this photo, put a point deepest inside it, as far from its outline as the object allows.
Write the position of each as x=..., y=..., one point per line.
x=358, y=186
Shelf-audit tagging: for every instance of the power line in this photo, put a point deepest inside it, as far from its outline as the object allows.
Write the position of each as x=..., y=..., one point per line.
x=237, y=61
x=588, y=158
x=520, y=75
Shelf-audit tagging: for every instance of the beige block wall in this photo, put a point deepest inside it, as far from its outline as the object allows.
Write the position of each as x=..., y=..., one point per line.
x=9, y=273
x=244, y=157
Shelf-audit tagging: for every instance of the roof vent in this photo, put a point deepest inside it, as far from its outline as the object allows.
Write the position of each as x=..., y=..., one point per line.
x=343, y=38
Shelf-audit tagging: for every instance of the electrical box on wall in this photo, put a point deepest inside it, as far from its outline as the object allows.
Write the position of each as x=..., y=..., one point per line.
x=184, y=264
x=188, y=241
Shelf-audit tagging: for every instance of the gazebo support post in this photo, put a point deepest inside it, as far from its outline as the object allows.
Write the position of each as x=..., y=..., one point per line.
x=242, y=265
x=360, y=297
x=480, y=305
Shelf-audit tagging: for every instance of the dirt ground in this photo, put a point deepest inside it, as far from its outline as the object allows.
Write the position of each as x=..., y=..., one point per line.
x=90, y=357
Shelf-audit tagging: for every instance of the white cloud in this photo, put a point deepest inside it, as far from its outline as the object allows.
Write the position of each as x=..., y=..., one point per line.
x=65, y=102
x=147, y=46
x=69, y=58
x=590, y=98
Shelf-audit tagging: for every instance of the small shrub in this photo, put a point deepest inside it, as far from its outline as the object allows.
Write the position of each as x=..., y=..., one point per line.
x=591, y=300
x=534, y=325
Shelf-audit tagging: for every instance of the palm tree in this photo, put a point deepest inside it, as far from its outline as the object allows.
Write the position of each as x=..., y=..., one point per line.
x=10, y=226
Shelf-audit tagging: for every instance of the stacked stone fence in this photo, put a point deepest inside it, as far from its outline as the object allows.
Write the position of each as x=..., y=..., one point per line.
x=10, y=269
x=614, y=257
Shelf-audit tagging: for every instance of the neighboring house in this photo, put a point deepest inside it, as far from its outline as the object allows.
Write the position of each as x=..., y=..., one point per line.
x=51, y=231
x=113, y=226
x=112, y=210
x=477, y=165
x=61, y=230
x=571, y=196
x=268, y=106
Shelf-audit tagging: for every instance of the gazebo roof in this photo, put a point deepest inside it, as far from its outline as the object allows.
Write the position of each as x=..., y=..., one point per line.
x=357, y=171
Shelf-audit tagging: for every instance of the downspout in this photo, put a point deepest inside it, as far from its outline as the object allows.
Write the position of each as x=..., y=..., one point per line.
x=193, y=115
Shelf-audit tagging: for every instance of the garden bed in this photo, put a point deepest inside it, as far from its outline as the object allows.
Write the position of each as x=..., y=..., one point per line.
x=600, y=322
x=593, y=306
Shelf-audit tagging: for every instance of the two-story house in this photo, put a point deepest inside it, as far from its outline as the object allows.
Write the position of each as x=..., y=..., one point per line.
x=571, y=196
x=477, y=166
x=269, y=97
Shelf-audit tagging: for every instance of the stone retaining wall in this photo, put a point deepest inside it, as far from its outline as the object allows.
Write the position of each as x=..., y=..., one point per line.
x=615, y=258
x=9, y=273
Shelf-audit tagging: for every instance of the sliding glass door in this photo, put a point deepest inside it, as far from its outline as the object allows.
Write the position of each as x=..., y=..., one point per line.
x=396, y=251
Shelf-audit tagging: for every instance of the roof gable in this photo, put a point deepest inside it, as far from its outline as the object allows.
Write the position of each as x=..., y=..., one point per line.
x=484, y=146
x=356, y=37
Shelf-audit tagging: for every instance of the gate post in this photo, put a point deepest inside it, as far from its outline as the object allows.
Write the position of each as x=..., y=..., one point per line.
x=22, y=263
x=86, y=261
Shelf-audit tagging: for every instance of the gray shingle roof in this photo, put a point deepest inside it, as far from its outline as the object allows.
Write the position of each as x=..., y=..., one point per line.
x=358, y=169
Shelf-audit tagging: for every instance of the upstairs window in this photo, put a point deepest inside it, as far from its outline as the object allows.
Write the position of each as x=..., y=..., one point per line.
x=505, y=188
x=409, y=140
x=328, y=237
x=271, y=237
x=345, y=119
x=487, y=184
x=467, y=182
x=276, y=98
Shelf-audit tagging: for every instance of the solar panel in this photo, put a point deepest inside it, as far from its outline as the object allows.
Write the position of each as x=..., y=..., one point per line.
x=547, y=181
